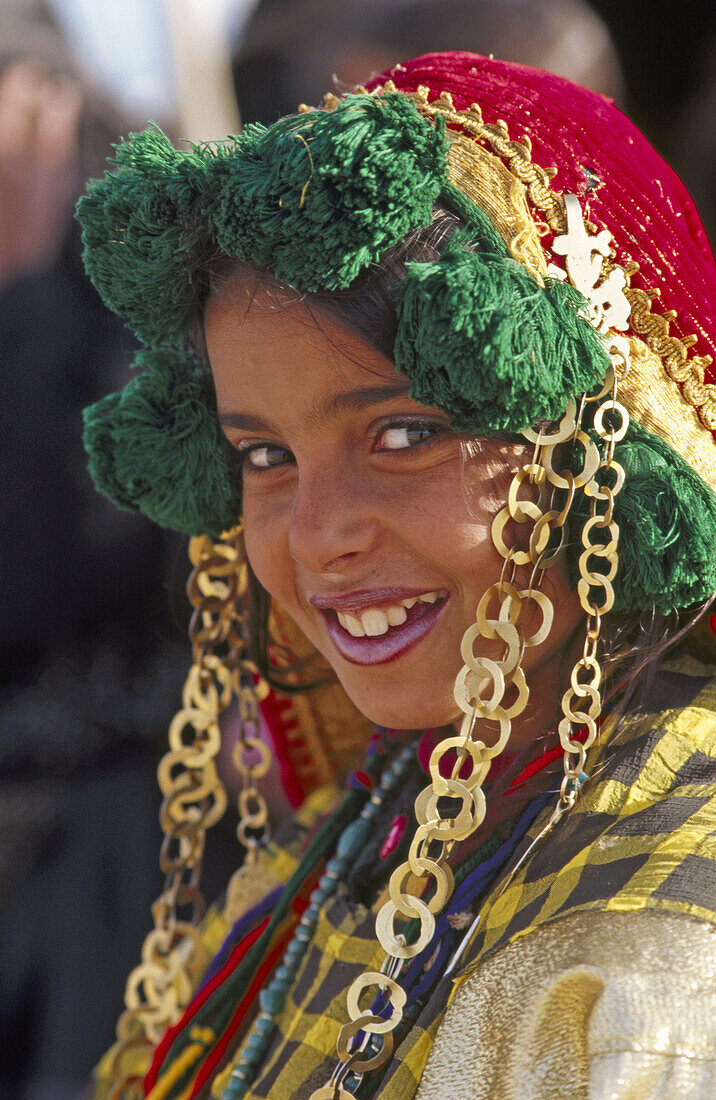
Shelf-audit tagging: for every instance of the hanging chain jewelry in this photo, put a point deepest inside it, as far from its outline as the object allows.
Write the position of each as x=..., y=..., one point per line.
x=608, y=310
x=483, y=682
x=582, y=701
x=590, y=269
x=194, y=799
x=481, y=692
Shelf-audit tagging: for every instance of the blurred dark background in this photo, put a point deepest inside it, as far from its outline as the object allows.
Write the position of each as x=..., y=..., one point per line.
x=92, y=616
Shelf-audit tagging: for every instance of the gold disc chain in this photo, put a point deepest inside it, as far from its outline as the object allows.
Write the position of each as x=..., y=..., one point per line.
x=490, y=692
x=194, y=799
x=598, y=562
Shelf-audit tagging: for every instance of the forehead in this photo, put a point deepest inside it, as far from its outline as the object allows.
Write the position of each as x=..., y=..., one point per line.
x=262, y=338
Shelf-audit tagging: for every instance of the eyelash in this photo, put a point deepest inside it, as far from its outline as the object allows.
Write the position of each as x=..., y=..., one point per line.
x=438, y=430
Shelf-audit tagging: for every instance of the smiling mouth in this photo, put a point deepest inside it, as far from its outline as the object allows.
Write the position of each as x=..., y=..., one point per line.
x=376, y=635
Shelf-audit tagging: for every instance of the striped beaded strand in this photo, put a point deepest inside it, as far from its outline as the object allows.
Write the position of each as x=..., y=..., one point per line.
x=273, y=998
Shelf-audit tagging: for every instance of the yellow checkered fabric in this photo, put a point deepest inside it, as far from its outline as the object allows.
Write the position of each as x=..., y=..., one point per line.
x=641, y=836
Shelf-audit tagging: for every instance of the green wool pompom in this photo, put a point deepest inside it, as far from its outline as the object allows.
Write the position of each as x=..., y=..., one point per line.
x=314, y=198
x=157, y=448
x=317, y=197
x=667, y=528
x=482, y=340
x=139, y=232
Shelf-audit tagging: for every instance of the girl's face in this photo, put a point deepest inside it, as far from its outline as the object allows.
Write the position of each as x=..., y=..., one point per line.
x=362, y=517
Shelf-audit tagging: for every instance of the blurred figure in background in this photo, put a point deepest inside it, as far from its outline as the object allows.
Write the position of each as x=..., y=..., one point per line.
x=692, y=139
x=91, y=668
x=294, y=50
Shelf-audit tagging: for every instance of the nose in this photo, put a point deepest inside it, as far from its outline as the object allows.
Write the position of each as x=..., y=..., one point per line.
x=335, y=517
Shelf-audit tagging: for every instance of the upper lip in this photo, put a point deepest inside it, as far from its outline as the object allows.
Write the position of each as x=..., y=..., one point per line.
x=360, y=599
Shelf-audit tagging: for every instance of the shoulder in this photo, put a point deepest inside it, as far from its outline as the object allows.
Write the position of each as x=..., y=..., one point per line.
x=595, y=1005
x=641, y=834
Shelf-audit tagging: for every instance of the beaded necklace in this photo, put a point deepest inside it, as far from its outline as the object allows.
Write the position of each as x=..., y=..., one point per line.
x=273, y=997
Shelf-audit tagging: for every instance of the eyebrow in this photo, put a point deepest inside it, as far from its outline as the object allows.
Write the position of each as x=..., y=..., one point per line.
x=351, y=401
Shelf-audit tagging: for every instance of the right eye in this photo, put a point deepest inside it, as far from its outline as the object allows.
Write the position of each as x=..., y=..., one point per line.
x=264, y=456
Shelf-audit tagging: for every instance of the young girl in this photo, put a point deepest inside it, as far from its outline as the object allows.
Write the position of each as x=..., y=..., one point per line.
x=437, y=357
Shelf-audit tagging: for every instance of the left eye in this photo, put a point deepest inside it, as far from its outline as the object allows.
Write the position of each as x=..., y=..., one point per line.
x=264, y=457
x=399, y=437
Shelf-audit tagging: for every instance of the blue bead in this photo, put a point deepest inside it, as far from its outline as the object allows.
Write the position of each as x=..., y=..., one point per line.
x=237, y=1087
x=353, y=839
x=272, y=1000
x=335, y=866
x=283, y=974
x=264, y=1026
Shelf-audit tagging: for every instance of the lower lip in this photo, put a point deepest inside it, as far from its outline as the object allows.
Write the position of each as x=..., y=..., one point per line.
x=389, y=646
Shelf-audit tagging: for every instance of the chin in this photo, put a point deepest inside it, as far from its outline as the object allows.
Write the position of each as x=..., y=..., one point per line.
x=401, y=707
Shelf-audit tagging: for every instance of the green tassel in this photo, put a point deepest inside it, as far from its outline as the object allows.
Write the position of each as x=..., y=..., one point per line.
x=482, y=340
x=317, y=197
x=667, y=528
x=157, y=447
x=314, y=198
x=139, y=233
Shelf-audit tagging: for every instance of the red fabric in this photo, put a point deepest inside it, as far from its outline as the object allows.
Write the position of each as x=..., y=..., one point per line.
x=643, y=203
x=395, y=832
x=543, y=760
x=244, y=1005
x=170, y=1035
x=298, y=774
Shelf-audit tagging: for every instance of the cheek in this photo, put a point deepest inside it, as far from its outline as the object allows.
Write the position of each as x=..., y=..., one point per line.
x=267, y=546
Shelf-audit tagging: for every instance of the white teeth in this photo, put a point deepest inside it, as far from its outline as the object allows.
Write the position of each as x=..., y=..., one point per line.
x=396, y=615
x=351, y=624
x=375, y=622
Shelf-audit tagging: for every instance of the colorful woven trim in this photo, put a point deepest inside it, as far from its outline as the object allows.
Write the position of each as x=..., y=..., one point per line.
x=499, y=172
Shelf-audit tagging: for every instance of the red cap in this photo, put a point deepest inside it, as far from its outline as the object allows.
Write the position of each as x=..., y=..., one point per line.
x=638, y=197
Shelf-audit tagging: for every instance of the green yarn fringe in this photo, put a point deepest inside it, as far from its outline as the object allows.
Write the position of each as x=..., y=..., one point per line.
x=482, y=340
x=314, y=198
x=156, y=447
x=667, y=528
x=139, y=232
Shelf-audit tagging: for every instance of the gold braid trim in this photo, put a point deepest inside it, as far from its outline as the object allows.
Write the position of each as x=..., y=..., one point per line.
x=517, y=154
x=664, y=410
x=673, y=352
x=686, y=437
